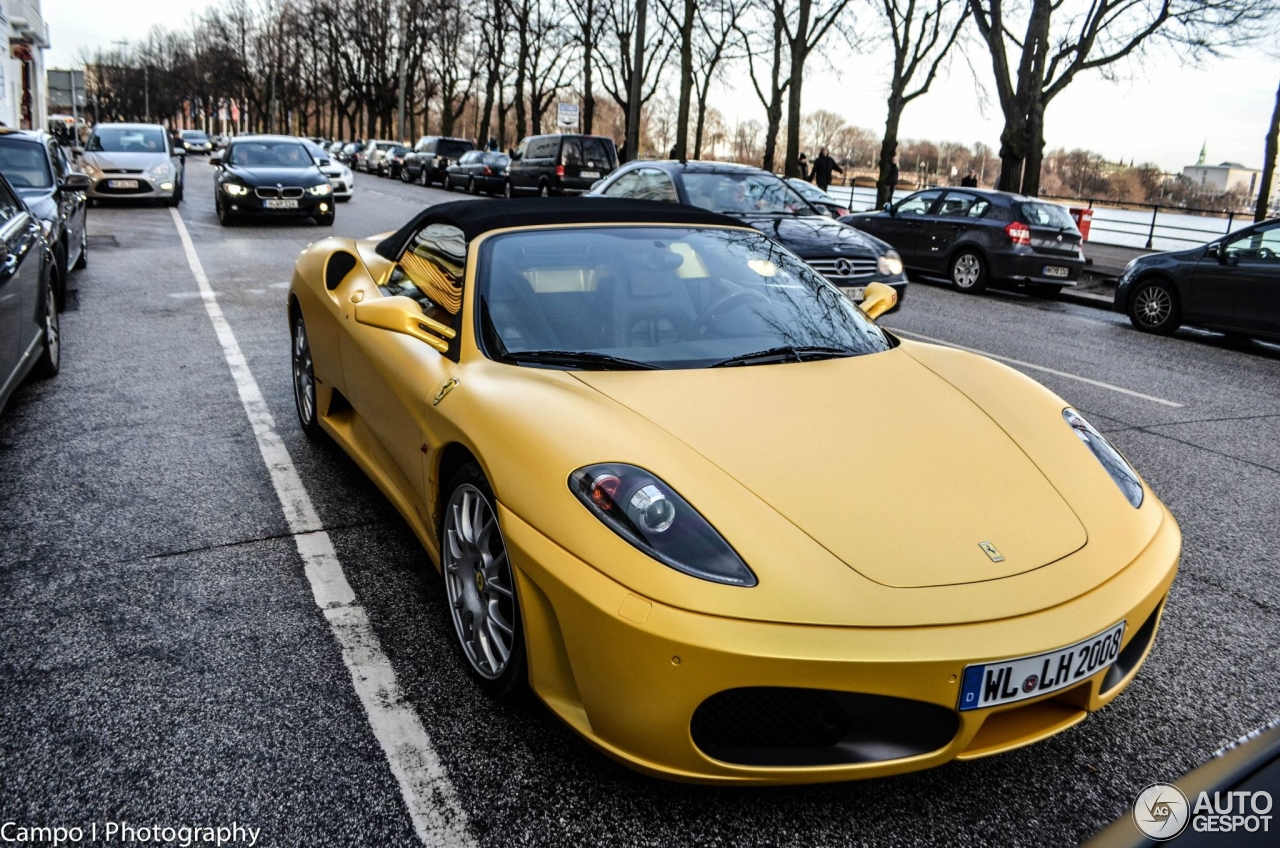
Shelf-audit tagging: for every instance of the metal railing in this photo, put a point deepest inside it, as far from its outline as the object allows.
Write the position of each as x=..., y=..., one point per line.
x=1154, y=228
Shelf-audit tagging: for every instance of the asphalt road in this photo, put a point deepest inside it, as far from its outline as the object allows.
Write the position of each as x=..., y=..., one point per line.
x=163, y=661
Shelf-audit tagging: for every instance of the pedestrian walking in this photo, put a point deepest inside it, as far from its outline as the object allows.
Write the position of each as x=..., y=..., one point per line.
x=803, y=164
x=970, y=180
x=822, y=168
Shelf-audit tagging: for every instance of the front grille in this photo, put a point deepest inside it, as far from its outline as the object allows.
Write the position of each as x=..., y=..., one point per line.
x=786, y=726
x=121, y=171
x=274, y=191
x=843, y=267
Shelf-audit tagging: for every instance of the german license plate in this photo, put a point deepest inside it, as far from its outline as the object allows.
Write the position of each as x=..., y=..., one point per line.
x=1056, y=271
x=594, y=174
x=857, y=293
x=280, y=203
x=122, y=183
x=1010, y=681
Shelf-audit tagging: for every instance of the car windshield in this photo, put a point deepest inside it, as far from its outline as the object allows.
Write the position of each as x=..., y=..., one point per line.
x=269, y=154
x=744, y=194
x=128, y=140
x=317, y=152
x=660, y=297
x=451, y=149
x=194, y=135
x=24, y=164
x=1048, y=215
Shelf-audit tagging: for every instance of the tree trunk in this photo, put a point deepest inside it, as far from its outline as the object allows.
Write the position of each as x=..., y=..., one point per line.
x=1268, y=163
x=773, y=112
x=885, y=183
x=1034, y=150
x=799, y=54
x=522, y=68
x=588, y=62
x=686, y=81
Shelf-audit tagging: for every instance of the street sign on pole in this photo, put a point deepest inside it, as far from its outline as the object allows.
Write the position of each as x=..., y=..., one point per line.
x=567, y=115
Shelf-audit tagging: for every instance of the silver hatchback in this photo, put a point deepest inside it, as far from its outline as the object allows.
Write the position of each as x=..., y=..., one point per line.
x=131, y=162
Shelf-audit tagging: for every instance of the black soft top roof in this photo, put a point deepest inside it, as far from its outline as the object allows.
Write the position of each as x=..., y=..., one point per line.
x=476, y=217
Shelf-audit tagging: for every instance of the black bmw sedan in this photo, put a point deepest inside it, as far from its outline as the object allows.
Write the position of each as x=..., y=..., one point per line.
x=270, y=176
x=847, y=257
x=975, y=237
x=1231, y=284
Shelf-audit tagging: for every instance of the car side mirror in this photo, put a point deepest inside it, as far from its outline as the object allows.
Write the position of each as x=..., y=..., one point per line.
x=878, y=299
x=1215, y=251
x=888, y=207
x=324, y=163
x=74, y=182
x=215, y=161
x=402, y=314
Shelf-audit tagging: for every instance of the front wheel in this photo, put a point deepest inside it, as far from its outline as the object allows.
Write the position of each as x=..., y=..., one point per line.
x=83, y=261
x=225, y=218
x=448, y=183
x=471, y=185
x=479, y=586
x=507, y=191
x=544, y=190
x=968, y=272
x=1154, y=307
x=51, y=341
x=404, y=175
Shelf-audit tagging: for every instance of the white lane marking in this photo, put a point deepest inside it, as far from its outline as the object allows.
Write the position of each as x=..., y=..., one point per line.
x=1053, y=371
x=433, y=806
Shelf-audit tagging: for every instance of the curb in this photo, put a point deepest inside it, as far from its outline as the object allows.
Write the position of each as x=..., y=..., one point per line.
x=1097, y=301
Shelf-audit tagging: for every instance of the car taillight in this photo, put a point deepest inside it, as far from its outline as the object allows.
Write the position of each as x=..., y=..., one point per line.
x=488, y=172
x=1018, y=233
x=559, y=170
x=841, y=212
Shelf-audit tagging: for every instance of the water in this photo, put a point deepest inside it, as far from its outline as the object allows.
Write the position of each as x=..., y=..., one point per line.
x=1122, y=227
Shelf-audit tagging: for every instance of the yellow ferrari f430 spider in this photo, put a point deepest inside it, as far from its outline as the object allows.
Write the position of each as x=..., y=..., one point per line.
x=726, y=527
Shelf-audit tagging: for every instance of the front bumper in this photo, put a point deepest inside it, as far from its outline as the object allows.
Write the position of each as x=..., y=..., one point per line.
x=308, y=206
x=1029, y=267
x=147, y=188
x=629, y=673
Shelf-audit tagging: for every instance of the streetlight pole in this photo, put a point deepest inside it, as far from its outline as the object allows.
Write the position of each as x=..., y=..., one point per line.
x=637, y=84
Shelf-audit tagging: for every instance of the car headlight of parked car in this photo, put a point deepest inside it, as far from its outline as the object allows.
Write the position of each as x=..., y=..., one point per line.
x=321, y=190
x=649, y=514
x=1120, y=470
x=890, y=264
x=235, y=189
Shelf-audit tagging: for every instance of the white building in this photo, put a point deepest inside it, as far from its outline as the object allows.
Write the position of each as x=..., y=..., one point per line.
x=22, y=94
x=1224, y=177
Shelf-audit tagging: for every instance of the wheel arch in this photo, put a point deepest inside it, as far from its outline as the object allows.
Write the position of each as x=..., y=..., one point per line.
x=1154, y=274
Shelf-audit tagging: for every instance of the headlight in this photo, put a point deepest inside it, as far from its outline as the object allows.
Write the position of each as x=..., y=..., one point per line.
x=889, y=265
x=651, y=516
x=321, y=190
x=89, y=170
x=159, y=171
x=1120, y=470
x=235, y=190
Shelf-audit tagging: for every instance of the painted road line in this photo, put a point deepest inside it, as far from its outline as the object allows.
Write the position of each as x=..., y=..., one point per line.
x=433, y=806
x=1054, y=371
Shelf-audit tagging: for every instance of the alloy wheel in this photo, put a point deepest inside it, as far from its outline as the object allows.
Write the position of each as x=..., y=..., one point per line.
x=304, y=381
x=1152, y=306
x=52, y=329
x=478, y=581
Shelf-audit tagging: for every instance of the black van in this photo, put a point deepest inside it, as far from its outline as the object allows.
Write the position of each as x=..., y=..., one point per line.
x=431, y=157
x=560, y=164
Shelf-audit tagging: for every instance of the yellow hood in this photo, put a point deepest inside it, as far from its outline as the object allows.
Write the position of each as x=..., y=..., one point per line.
x=876, y=458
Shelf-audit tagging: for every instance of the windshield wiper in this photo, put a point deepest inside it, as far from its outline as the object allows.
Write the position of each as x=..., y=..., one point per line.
x=579, y=358
x=786, y=353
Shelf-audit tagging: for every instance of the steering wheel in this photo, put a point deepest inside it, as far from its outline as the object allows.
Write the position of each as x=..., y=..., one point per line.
x=727, y=304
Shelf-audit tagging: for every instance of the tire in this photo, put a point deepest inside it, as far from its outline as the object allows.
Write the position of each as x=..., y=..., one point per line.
x=50, y=360
x=474, y=561
x=304, y=381
x=404, y=175
x=59, y=276
x=968, y=272
x=83, y=261
x=1154, y=307
x=423, y=178
x=544, y=190
x=471, y=185
x=225, y=218
x=507, y=191
x=448, y=183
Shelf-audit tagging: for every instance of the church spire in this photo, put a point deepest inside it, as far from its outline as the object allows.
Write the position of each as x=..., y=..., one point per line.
x=1203, y=151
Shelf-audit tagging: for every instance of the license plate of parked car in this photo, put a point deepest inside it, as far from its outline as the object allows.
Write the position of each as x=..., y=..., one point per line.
x=122, y=183
x=279, y=203
x=857, y=293
x=1055, y=271
x=998, y=683
x=591, y=173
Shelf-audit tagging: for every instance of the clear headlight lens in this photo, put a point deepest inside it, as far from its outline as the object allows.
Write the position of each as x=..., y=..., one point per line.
x=889, y=265
x=235, y=190
x=650, y=515
x=159, y=171
x=321, y=190
x=89, y=170
x=1120, y=470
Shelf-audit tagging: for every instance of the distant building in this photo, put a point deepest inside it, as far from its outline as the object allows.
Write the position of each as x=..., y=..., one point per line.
x=1224, y=177
x=22, y=94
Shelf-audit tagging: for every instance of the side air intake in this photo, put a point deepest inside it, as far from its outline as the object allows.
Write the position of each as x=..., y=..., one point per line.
x=337, y=268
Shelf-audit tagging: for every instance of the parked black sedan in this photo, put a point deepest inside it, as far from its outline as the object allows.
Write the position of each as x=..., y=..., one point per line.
x=38, y=170
x=847, y=257
x=270, y=176
x=1230, y=284
x=478, y=171
x=975, y=237
x=29, y=329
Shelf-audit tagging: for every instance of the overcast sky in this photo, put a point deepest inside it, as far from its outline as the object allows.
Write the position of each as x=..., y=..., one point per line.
x=1161, y=112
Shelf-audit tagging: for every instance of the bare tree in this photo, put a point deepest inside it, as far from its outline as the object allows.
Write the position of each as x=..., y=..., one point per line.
x=1268, y=163
x=616, y=62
